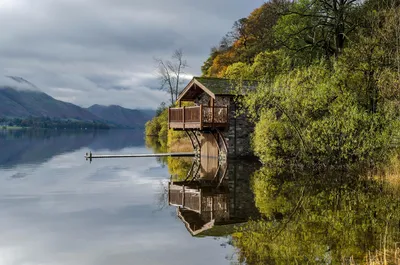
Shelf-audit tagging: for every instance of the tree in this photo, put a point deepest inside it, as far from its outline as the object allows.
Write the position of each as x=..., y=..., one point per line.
x=249, y=37
x=318, y=26
x=170, y=72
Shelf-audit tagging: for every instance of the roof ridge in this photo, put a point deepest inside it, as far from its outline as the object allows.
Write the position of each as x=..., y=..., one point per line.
x=226, y=79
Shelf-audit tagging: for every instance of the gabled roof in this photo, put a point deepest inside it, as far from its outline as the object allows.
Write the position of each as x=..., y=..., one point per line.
x=213, y=87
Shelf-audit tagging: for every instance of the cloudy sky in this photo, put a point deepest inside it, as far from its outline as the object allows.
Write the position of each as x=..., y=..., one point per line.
x=102, y=51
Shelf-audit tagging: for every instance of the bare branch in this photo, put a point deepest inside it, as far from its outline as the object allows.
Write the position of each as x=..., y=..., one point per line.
x=170, y=72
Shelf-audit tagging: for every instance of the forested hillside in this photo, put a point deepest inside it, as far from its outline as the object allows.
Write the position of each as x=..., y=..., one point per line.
x=327, y=126
x=330, y=74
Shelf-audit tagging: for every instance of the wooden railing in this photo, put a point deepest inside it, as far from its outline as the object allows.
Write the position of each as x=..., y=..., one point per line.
x=197, y=117
x=215, y=115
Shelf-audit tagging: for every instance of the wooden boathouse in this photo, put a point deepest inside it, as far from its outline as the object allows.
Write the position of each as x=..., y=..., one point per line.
x=214, y=198
x=212, y=124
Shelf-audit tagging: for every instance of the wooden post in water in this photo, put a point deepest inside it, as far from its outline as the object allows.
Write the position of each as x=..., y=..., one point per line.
x=89, y=156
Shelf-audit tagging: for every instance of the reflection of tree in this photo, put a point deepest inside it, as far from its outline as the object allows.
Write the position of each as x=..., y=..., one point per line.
x=157, y=147
x=318, y=220
x=162, y=196
x=179, y=167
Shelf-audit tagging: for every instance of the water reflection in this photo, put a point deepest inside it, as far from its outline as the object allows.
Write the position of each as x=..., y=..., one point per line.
x=35, y=146
x=290, y=216
x=67, y=211
x=214, y=196
x=56, y=208
x=330, y=218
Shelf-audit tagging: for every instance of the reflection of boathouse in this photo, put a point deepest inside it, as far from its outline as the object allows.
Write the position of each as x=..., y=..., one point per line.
x=210, y=201
x=212, y=124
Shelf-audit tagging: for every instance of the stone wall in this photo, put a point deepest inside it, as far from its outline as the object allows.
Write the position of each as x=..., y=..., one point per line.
x=238, y=134
x=203, y=99
x=222, y=101
x=241, y=197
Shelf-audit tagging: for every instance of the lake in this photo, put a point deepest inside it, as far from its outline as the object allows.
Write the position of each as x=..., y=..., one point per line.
x=57, y=208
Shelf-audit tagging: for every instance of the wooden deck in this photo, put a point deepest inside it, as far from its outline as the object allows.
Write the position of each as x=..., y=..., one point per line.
x=198, y=117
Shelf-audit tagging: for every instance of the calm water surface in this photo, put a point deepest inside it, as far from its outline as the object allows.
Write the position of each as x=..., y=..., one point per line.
x=57, y=208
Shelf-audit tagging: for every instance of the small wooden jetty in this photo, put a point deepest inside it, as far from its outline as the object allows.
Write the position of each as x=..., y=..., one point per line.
x=90, y=156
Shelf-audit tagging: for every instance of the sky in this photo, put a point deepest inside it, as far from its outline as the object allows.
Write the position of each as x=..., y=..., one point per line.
x=102, y=51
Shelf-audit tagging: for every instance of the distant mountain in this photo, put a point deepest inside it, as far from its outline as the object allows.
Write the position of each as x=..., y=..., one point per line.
x=24, y=100
x=21, y=103
x=122, y=116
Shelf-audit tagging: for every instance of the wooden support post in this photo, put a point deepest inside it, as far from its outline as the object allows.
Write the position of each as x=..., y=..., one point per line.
x=201, y=117
x=184, y=118
x=212, y=207
x=213, y=112
x=227, y=115
x=183, y=196
x=201, y=202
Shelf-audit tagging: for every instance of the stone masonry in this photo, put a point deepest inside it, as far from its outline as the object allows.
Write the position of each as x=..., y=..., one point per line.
x=238, y=134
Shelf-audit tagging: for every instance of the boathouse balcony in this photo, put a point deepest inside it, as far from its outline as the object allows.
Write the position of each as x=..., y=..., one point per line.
x=198, y=117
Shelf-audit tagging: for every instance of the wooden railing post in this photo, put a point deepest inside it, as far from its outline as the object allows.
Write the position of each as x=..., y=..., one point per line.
x=213, y=113
x=183, y=196
x=183, y=110
x=201, y=117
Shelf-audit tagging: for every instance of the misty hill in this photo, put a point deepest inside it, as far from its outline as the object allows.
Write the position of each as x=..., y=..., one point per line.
x=122, y=116
x=24, y=103
x=19, y=98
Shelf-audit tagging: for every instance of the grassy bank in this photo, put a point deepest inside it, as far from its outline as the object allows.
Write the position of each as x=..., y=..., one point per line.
x=166, y=139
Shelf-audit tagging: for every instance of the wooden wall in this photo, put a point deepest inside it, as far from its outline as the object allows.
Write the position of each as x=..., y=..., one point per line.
x=209, y=146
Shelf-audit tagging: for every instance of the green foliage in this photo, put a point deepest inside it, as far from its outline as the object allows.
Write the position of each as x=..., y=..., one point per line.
x=328, y=101
x=314, y=118
x=158, y=126
x=316, y=29
x=266, y=66
x=318, y=219
x=239, y=71
x=179, y=167
x=249, y=37
x=161, y=139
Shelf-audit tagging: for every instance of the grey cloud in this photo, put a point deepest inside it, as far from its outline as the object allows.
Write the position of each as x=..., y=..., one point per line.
x=80, y=50
x=11, y=81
